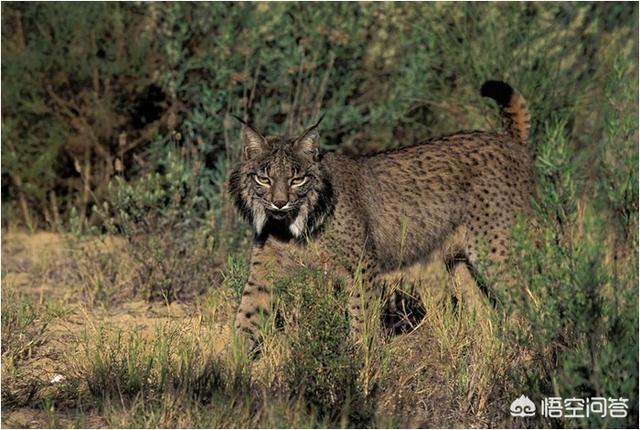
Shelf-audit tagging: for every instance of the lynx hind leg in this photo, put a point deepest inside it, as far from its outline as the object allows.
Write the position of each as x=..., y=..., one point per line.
x=488, y=248
x=459, y=261
x=479, y=251
x=465, y=285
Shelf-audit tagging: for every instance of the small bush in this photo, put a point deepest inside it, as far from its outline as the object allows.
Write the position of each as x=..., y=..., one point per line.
x=169, y=226
x=323, y=367
x=578, y=295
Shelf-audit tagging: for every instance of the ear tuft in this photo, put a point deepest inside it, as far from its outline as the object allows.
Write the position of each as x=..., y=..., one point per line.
x=253, y=143
x=308, y=144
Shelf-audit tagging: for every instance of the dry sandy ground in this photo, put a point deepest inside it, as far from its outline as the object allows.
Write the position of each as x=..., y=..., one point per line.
x=33, y=267
x=38, y=266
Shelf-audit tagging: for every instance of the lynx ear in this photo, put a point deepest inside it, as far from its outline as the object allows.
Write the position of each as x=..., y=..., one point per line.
x=308, y=144
x=253, y=144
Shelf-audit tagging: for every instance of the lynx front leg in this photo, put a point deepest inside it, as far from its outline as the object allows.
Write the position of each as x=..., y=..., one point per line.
x=362, y=298
x=255, y=305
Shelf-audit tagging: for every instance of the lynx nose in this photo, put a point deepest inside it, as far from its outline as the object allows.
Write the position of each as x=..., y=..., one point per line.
x=280, y=203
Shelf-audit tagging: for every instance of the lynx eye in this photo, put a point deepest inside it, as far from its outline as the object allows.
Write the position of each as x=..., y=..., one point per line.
x=296, y=182
x=262, y=180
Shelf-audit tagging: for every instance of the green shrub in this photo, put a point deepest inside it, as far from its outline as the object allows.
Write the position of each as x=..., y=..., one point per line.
x=322, y=368
x=385, y=74
x=168, y=222
x=578, y=293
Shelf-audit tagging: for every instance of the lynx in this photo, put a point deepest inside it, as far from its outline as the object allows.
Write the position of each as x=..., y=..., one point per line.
x=359, y=218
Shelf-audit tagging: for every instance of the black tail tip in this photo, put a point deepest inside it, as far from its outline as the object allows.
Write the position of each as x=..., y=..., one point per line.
x=500, y=91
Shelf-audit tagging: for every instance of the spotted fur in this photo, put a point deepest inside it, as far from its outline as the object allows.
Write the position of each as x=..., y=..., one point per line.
x=360, y=218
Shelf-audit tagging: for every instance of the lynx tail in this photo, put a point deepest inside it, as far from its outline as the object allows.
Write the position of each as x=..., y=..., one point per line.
x=515, y=114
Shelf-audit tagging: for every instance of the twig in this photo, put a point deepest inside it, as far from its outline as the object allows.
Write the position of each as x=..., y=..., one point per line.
x=323, y=84
x=255, y=84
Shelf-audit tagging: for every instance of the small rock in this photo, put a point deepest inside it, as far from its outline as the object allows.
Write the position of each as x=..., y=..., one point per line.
x=57, y=379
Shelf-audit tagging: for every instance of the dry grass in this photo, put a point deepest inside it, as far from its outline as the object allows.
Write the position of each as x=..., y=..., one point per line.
x=53, y=321
x=129, y=362
x=56, y=327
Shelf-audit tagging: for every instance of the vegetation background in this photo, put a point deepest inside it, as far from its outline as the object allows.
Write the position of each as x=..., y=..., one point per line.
x=117, y=137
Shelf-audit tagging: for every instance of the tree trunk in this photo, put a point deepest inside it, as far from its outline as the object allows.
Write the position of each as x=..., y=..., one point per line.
x=22, y=202
x=86, y=185
x=55, y=211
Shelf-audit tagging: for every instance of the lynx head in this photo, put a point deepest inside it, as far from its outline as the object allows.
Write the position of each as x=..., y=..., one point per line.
x=281, y=179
